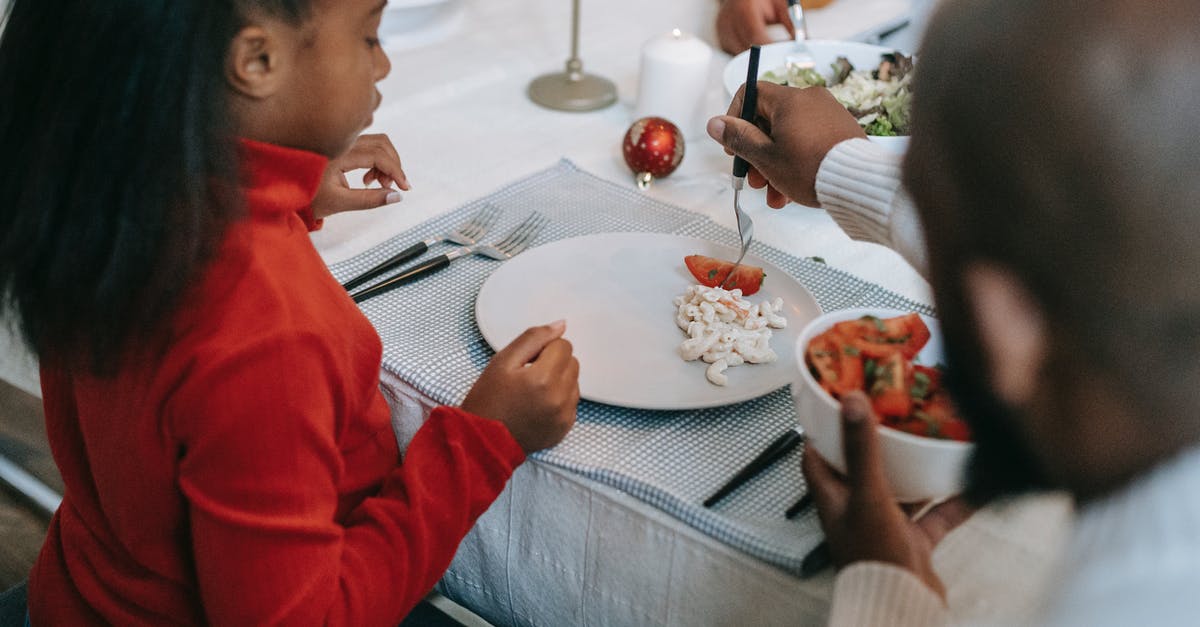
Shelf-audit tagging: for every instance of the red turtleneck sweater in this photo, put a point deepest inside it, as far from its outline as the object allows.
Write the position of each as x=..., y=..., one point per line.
x=249, y=475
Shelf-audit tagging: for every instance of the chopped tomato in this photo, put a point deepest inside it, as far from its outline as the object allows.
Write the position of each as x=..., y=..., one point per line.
x=875, y=355
x=822, y=354
x=916, y=333
x=956, y=429
x=933, y=375
x=940, y=409
x=877, y=337
x=915, y=426
x=853, y=376
x=838, y=367
x=889, y=388
x=711, y=272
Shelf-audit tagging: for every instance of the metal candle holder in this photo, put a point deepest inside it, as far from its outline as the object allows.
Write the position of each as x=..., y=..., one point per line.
x=573, y=89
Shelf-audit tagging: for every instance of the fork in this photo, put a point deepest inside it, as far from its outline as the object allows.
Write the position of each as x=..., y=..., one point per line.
x=799, y=58
x=467, y=233
x=741, y=167
x=516, y=241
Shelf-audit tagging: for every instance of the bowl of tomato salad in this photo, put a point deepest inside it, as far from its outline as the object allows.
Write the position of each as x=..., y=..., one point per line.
x=895, y=357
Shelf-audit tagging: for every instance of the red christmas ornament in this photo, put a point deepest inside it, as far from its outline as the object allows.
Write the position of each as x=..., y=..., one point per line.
x=653, y=147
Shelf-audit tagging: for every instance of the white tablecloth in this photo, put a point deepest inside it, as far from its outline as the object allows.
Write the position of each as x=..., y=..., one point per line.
x=559, y=549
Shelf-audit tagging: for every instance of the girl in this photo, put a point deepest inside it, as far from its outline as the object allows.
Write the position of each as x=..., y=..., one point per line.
x=211, y=393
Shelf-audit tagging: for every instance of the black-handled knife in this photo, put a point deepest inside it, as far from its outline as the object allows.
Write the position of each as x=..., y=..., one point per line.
x=816, y=560
x=800, y=506
x=773, y=453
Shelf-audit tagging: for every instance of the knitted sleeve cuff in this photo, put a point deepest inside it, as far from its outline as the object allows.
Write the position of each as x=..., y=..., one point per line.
x=859, y=185
x=856, y=184
x=874, y=593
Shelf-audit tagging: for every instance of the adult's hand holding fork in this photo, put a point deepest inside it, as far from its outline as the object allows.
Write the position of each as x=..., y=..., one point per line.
x=794, y=130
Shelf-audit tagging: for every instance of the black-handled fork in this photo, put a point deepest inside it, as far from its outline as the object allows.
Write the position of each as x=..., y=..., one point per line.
x=466, y=234
x=741, y=167
x=516, y=241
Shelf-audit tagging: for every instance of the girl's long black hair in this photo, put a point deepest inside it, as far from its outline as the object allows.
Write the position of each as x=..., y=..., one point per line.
x=117, y=165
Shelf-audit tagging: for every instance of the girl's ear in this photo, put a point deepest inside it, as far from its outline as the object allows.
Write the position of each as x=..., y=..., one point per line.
x=1012, y=329
x=253, y=64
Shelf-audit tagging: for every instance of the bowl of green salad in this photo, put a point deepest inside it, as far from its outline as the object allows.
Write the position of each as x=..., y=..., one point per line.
x=872, y=82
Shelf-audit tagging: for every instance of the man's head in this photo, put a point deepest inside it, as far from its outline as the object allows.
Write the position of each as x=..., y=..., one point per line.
x=1054, y=160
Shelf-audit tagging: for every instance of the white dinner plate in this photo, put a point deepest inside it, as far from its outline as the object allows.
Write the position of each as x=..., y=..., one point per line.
x=774, y=57
x=615, y=292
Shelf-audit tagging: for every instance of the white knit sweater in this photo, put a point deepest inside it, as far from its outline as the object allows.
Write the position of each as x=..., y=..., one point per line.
x=1132, y=558
x=859, y=185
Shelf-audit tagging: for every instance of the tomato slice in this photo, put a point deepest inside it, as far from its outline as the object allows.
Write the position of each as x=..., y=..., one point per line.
x=711, y=272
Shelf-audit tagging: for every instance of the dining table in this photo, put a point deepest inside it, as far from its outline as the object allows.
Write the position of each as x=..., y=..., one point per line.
x=580, y=536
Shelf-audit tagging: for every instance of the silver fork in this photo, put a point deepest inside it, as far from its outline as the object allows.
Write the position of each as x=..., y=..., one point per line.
x=467, y=233
x=511, y=245
x=745, y=229
x=799, y=58
x=741, y=167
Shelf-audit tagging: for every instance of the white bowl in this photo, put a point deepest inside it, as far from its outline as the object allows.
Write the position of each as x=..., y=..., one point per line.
x=774, y=56
x=918, y=468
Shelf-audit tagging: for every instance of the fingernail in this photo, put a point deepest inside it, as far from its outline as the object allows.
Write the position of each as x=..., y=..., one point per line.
x=558, y=325
x=393, y=197
x=716, y=128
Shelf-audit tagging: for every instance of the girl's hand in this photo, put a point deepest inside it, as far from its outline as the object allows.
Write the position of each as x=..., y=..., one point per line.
x=860, y=516
x=532, y=386
x=373, y=152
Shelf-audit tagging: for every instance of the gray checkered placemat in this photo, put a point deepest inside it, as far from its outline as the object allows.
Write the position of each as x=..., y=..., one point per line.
x=670, y=459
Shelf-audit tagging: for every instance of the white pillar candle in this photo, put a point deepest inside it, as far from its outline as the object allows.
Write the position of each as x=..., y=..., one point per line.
x=674, y=78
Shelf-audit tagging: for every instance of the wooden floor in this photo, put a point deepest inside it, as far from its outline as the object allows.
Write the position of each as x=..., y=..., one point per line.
x=22, y=441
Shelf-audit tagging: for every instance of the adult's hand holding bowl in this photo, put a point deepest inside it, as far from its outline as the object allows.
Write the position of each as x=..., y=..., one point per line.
x=861, y=520
x=918, y=468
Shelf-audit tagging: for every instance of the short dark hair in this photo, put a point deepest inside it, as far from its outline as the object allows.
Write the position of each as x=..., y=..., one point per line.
x=1061, y=143
x=116, y=164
